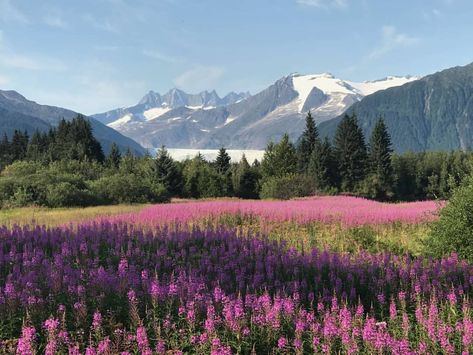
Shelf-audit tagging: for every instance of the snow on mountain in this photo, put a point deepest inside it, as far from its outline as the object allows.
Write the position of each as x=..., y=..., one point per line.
x=240, y=121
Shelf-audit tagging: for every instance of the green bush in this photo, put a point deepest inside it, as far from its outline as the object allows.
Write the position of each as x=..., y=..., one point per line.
x=65, y=194
x=453, y=231
x=129, y=188
x=287, y=187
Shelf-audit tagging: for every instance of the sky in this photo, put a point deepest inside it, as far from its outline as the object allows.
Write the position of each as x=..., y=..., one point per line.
x=96, y=55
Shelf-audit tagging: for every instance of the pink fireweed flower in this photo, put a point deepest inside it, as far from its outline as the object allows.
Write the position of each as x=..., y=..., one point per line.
x=26, y=341
x=392, y=310
x=282, y=342
x=97, y=320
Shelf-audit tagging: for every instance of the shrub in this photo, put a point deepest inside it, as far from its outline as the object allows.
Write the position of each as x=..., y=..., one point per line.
x=453, y=231
x=287, y=187
x=129, y=188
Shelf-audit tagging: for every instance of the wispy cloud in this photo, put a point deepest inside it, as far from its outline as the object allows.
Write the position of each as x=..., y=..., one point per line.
x=10, y=12
x=200, y=77
x=161, y=56
x=10, y=58
x=4, y=80
x=391, y=40
x=55, y=19
x=325, y=4
x=101, y=24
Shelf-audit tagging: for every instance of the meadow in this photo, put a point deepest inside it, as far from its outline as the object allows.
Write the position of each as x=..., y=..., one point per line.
x=321, y=275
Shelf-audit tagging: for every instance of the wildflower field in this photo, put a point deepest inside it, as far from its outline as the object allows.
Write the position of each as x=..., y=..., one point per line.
x=230, y=277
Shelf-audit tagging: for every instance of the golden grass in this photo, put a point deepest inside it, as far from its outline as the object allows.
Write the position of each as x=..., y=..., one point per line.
x=58, y=216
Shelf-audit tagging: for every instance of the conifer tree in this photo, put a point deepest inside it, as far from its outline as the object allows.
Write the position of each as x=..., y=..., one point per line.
x=309, y=141
x=5, y=153
x=279, y=159
x=245, y=180
x=19, y=145
x=222, y=162
x=321, y=166
x=350, y=152
x=114, y=157
x=380, y=158
x=166, y=172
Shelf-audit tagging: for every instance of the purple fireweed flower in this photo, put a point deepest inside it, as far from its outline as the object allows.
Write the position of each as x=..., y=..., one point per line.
x=97, y=320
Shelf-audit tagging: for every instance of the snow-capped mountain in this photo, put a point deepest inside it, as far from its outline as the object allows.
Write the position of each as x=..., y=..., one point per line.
x=240, y=121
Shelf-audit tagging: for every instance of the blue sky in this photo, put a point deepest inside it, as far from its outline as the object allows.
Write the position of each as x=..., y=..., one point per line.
x=95, y=55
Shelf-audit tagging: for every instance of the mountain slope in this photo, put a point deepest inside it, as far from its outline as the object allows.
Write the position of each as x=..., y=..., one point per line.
x=433, y=113
x=17, y=112
x=239, y=121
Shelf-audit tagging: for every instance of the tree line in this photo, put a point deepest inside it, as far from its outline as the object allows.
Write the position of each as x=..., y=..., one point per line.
x=67, y=167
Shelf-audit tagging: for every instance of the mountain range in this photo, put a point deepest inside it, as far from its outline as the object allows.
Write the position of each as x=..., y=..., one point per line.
x=17, y=112
x=240, y=120
x=432, y=113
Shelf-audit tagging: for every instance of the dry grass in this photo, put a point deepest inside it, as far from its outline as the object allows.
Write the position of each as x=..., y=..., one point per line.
x=60, y=216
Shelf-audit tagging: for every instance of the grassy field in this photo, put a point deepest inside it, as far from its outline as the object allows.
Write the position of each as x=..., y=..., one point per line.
x=55, y=217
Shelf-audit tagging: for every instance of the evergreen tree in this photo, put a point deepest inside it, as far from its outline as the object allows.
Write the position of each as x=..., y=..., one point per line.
x=222, y=163
x=380, y=158
x=19, y=145
x=167, y=173
x=350, y=152
x=5, y=152
x=114, y=157
x=322, y=166
x=245, y=180
x=279, y=159
x=128, y=162
x=309, y=141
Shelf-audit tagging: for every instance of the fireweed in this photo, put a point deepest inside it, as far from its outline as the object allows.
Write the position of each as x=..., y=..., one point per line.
x=112, y=288
x=350, y=211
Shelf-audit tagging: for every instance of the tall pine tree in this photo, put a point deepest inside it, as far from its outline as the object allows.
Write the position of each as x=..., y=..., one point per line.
x=166, y=172
x=114, y=157
x=322, y=166
x=380, y=159
x=309, y=141
x=222, y=162
x=350, y=153
x=279, y=159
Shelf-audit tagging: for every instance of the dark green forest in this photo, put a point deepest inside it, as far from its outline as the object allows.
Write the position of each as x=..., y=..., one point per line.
x=67, y=167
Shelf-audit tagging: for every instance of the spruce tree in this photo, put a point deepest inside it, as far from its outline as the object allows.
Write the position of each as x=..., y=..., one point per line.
x=380, y=158
x=167, y=173
x=245, y=180
x=5, y=153
x=222, y=162
x=322, y=166
x=279, y=159
x=350, y=153
x=19, y=145
x=309, y=141
x=114, y=157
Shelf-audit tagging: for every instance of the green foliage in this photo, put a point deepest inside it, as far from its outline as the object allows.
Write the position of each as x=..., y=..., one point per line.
x=322, y=167
x=309, y=141
x=201, y=179
x=380, y=179
x=350, y=153
x=167, y=173
x=129, y=188
x=246, y=180
x=114, y=157
x=279, y=159
x=287, y=187
x=453, y=231
x=222, y=162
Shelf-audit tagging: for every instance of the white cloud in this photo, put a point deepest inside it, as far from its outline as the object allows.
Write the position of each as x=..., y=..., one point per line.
x=55, y=19
x=101, y=24
x=391, y=40
x=200, y=77
x=10, y=13
x=161, y=57
x=4, y=80
x=324, y=3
